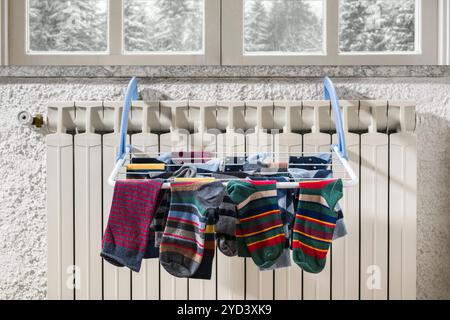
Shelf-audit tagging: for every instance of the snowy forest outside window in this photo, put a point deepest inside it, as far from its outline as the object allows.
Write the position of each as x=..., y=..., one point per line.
x=67, y=26
x=148, y=25
x=377, y=26
x=163, y=26
x=297, y=26
x=284, y=26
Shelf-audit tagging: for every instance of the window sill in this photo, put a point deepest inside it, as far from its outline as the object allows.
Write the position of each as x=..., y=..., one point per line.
x=222, y=71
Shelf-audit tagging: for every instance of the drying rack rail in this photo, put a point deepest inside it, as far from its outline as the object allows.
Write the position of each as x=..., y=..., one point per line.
x=338, y=151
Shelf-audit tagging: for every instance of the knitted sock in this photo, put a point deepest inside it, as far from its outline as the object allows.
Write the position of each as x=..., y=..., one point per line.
x=204, y=271
x=183, y=242
x=260, y=220
x=299, y=174
x=314, y=223
x=126, y=236
x=159, y=222
x=341, y=229
x=242, y=249
x=287, y=212
x=226, y=228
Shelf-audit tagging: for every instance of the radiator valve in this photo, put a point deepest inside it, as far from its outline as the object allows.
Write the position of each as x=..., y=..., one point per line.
x=26, y=119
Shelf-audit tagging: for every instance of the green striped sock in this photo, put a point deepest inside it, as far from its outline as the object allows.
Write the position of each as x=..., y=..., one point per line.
x=260, y=224
x=314, y=223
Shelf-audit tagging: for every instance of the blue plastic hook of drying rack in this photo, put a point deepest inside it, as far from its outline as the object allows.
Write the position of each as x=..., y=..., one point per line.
x=130, y=95
x=330, y=94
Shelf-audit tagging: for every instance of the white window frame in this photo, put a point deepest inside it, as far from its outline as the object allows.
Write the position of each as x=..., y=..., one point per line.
x=116, y=54
x=426, y=37
x=223, y=41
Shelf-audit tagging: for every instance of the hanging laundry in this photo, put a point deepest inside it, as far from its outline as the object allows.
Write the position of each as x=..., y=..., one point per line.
x=190, y=157
x=183, y=242
x=316, y=162
x=287, y=212
x=205, y=269
x=126, y=238
x=226, y=227
x=159, y=222
x=340, y=230
x=273, y=167
x=261, y=227
x=314, y=223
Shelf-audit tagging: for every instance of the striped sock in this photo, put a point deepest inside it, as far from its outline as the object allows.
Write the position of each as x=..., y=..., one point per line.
x=260, y=220
x=205, y=269
x=226, y=227
x=183, y=242
x=127, y=234
x=242, y=249
x=314, y=223
x=159, y=222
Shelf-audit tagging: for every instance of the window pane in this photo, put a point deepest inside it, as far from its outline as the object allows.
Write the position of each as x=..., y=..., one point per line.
x=377, y=25
x=283, y=26
x=68, y=25
x=163, y=25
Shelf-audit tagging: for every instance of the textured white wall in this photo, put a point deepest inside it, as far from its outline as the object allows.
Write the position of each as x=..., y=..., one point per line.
x=22, y=160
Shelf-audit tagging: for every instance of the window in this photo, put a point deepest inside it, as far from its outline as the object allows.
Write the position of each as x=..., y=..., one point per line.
x=67, y=26
x=378, y=26
x=284, y=27
x=330, y=32
x=163, y=26
x=231, y=32
x=114, y=32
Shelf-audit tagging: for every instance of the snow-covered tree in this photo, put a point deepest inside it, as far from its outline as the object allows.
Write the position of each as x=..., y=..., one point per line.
x=193, y=36
x=378, y=25
x=171, y=25
x=285, y=26
x=353, y=36
x=63, y=25
x=139, y=28
x=256, y=27
x=304, y=28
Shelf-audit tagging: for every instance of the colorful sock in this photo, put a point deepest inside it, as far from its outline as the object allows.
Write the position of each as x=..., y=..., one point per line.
x=159, y=222
x=314, y=223
x=226, y=228
x=242, y=249
x=183, y=242
x=261, y=226
x=204, y=271
x=127, y=234
x=287, y=212
x=299, y=174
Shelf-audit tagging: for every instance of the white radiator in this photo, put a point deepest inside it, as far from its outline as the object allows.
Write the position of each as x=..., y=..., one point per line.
x=376, y=260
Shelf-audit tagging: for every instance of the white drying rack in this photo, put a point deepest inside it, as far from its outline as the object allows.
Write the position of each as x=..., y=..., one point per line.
x=338, y=151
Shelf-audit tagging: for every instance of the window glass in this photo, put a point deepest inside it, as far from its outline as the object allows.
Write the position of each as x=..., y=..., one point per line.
x=67, y=26
x=283, y=26
x=163, y=25
x=377, y=26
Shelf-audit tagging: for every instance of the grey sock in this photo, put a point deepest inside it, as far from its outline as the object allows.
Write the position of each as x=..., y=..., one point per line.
x=227, y=245
x=284, y=261
x=186, y=171
x=340, y=230
x=226, y=228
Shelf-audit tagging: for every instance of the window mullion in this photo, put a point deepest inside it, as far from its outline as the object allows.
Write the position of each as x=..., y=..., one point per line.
x=115, y=19
x=332, y=30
